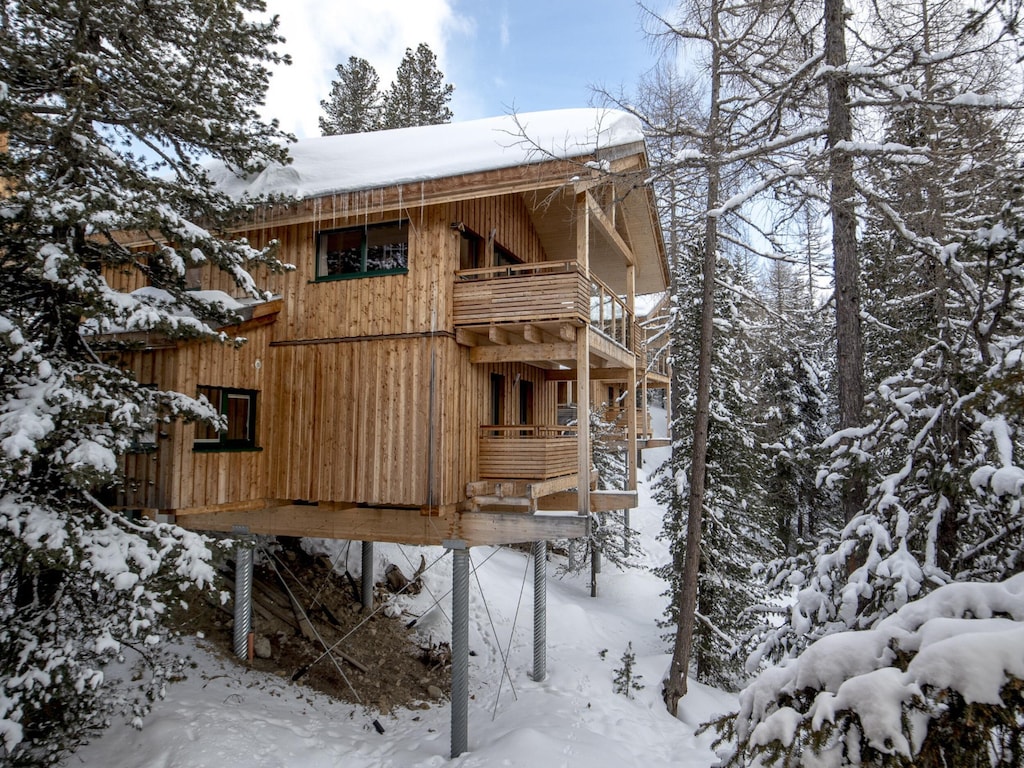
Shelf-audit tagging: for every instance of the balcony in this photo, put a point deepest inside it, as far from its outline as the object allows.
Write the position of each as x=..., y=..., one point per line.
x=527, y=452
x=543, y=304
x=550, y=291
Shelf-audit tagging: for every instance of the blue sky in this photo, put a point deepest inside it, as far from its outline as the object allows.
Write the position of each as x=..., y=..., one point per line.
x=499, y=54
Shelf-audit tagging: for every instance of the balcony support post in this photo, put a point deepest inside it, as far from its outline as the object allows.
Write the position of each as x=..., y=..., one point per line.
x=632, y=455
x=583, y=363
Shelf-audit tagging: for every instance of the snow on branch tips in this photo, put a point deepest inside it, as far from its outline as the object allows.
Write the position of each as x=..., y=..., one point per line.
x=946, y=669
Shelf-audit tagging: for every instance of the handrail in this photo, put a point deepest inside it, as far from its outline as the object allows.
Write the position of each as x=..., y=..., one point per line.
x=510, y=431
x=609, y=314
x=516, y=270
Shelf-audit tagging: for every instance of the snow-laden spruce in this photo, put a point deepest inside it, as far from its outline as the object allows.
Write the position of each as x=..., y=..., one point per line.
x=946, y=669
x=108, y=110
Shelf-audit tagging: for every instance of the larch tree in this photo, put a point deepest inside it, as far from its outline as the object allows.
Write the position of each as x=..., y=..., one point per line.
x=354, y=105
x=736, y=142
x=109, y=110
x=418, y=95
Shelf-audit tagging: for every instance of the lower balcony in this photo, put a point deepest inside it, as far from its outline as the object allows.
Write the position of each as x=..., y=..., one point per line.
x=527, y=452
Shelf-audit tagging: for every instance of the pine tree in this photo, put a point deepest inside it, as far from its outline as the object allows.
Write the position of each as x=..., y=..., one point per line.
x=626, y=680
x=354, y=105
x=419, y=95
x=109, y=110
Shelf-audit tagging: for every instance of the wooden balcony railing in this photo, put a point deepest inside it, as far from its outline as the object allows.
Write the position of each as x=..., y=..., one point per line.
x=527, y=451
x=543, y=291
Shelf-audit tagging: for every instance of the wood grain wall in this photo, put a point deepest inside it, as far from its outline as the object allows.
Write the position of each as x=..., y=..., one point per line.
x=364, y=395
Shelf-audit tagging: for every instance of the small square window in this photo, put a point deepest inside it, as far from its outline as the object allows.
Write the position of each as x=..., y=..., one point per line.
x=374, y=249
x=238, y=406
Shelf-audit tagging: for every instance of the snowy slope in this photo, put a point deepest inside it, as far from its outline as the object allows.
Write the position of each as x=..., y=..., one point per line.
x=225, y=716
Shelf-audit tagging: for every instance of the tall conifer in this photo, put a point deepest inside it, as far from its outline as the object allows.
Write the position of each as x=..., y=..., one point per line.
x=354, y=105
x=419, y=95
x=109, y=109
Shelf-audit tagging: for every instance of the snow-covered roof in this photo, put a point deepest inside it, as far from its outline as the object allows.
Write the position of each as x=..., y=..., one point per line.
x=347, y=163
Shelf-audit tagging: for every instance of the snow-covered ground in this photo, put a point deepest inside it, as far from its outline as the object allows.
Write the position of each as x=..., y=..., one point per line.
x=225, y=716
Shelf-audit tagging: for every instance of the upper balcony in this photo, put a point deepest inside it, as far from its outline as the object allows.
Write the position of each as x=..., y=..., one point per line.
x=544, y=305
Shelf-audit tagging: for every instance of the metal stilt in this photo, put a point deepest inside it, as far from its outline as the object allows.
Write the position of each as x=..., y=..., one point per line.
x=460, y=646
x=243, y=599
x=540, y=613
x=367, y=578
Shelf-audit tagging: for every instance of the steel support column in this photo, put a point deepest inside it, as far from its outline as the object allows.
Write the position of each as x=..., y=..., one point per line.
x=540, y=606
x=243, y=598
x=367, y=577
x=460, y=646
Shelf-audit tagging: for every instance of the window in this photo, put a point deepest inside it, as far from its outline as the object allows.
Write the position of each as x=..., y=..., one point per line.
x=497, y=398
x=373, y=249
x=503, y=257
x=471, y=250
x=525, y=401
x=238, y=406
x=146, y=441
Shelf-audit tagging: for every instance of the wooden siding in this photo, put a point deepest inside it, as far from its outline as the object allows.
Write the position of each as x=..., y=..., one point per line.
x=508, y=217
x=182, y=477
x=352, y=421
x=346, y=413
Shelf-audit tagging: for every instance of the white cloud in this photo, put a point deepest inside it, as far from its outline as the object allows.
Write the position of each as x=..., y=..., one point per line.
x=320, y=36
x=505, y=34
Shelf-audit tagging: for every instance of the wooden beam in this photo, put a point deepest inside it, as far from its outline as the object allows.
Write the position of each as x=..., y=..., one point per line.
x=607, y=229
x=657, y=442
x=402, y=526
x=584, y=459
x=495, y=528
x=631, y=398
x=545, y=487
x=522, y=353
x=533, y=334
x=600, y=501
x=596, y=374
x=527, y=505
x=567, y=332
x=353, y=523
x=498, y=336
x=467, y=338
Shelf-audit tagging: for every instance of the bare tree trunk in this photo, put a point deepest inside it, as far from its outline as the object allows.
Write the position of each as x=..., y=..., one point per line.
x=686, y=596
x=849, y=343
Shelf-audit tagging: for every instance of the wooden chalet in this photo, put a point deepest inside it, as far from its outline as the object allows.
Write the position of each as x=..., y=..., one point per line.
x=455, y=289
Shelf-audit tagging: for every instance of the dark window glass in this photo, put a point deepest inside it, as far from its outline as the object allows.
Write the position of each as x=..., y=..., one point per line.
x=374, y=249
x=471, y=251
x=503, y=257
x=238, y=406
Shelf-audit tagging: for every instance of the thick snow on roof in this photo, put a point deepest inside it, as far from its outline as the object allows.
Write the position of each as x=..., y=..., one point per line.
x=329, y=164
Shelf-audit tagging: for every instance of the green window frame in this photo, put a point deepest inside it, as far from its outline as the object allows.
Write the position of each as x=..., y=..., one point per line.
x=238, y=407
x=369, y=250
